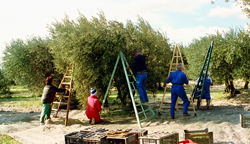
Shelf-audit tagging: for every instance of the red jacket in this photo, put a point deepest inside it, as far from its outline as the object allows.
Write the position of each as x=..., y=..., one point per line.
x=93, y=108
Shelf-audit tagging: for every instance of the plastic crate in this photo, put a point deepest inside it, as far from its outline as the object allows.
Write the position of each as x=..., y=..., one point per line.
x=199, y=136
x=122, y=140
x=94, y=129
x=85, y=138
x=160, y=138
x=138, y=133
x=245, y=121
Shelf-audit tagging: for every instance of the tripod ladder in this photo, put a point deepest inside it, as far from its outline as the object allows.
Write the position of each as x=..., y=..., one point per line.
x=146, y=112
x=67, y=81
x=176, y=59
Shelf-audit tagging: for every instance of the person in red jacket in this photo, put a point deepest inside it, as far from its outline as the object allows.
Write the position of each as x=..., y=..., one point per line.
x=93, y=107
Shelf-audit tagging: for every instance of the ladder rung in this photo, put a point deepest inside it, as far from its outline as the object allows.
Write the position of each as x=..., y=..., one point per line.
x=70, y=70
x=144, y=111
x=62, y=96
x=66, y=83
x=62, y=103
x=148, y=118
x=68, y=77
x=63, y=110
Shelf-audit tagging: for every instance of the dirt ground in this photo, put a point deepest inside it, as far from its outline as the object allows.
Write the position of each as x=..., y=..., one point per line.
x=223, y=120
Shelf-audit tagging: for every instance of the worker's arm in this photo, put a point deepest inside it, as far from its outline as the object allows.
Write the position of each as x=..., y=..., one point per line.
x=98, y=105
x=185, y=79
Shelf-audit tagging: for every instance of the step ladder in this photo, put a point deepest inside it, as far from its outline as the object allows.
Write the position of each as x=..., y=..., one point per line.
x=198, y=91
x=146, y=112
x=176, y=59
x=66, y=81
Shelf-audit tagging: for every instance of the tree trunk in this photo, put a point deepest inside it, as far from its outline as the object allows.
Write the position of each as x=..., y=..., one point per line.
x=159, y=86
x=227, y=86
x=246, y=85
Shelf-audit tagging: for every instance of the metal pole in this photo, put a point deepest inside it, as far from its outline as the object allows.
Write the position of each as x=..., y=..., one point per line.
x=110, y=81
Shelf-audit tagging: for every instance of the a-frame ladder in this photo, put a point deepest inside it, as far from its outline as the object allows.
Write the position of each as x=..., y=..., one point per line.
x=146, y=112
x=198, y=91
x=176, y=59
x=67, y=80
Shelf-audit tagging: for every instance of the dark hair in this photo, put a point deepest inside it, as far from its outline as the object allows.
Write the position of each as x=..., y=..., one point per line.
x=49, y=80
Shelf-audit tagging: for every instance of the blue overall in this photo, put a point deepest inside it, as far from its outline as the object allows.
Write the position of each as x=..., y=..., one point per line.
x=177, y=79
x=206, y=95
x=140, y=85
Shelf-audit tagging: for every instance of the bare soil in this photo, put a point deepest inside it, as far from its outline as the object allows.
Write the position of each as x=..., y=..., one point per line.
x=223, y=120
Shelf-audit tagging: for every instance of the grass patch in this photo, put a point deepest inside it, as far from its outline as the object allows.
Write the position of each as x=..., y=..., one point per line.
x=5, y=139
x=218, y=95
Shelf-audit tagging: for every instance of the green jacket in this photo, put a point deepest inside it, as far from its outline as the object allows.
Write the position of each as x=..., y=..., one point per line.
x=49, y=93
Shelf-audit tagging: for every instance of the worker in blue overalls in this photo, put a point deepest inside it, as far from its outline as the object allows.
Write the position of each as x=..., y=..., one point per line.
x=178, y=78
x=206, y=95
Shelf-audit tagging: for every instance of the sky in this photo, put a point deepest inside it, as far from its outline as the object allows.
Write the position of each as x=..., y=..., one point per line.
x=181, y=20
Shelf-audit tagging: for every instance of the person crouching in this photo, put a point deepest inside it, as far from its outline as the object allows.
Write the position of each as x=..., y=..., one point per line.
x=93, y=107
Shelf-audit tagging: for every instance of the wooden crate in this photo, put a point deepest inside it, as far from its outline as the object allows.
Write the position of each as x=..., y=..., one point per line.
x=199, y=136
x=245, y=121
x=160, y=138
x=85, y=138
x=122, y=140
x=138, y=133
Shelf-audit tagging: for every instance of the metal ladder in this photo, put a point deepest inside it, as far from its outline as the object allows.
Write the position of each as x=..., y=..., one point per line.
x=198, y=91
x=175, y=61
x=67, y=81
x=146, y=113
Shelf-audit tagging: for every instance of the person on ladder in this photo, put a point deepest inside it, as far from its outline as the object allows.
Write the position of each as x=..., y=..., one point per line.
x=206, y=96
x=178, y=78
x=93, y=108
x=139, y=67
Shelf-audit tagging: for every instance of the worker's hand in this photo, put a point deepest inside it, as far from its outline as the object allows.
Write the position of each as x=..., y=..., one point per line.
x=128, y=67
x=212, y=83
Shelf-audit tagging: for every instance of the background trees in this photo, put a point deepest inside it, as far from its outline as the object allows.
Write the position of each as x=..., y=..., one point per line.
x=28, y=63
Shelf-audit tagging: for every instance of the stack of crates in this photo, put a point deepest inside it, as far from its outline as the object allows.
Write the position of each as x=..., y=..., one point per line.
x=121, y=137
x=160, y=138
x=245, y=121
x=199, y=136
x=85, y=138
x=138, y=133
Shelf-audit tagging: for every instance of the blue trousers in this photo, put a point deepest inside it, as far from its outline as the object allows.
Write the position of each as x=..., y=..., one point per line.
x=140, y=85
x=178, y=90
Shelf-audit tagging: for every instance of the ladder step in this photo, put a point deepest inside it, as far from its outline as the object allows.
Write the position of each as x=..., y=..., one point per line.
x=62, y=96
x=62, y=110
x=144, y=111
x=148, y=118
x=66, y=83
x=70, y=77
x=70, y=70
x=62, y=103
x=136, y=97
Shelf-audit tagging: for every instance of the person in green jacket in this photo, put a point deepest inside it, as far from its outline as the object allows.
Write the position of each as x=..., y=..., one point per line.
x=48, y=97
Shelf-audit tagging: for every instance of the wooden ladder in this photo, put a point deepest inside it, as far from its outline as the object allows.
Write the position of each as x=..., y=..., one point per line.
x=176, y=59
x=67, y=81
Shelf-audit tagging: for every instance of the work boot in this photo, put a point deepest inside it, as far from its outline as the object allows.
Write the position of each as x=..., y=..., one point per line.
x=93, y=121
x=186, y=114
x=172, y=117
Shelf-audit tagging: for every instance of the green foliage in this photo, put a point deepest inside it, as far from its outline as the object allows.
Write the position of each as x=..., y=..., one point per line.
x=93, y=45
x=4, y=82
x=229, y=58
x=28, y=62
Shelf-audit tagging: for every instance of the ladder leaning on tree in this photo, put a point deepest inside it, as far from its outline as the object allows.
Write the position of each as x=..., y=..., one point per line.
x=145, y=113
x=66, y=81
